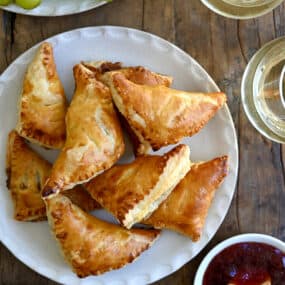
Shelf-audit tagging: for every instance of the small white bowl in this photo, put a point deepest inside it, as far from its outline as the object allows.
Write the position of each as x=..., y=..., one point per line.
x=261, y=238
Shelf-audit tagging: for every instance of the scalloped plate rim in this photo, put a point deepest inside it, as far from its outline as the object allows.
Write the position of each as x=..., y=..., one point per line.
x=18, y=10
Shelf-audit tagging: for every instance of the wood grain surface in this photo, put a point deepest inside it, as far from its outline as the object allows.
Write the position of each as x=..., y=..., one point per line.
x=223, y=47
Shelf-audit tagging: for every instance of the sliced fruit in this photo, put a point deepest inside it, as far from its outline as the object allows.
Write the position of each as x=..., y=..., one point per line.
x=28, y=4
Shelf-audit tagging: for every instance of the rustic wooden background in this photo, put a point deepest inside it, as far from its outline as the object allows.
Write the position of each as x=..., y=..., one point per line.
x=223, y=47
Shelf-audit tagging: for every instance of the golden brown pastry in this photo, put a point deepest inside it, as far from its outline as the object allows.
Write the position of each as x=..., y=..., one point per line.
x=159, y=115
x=186, y=208
x=136, y=74
x=42, y=105
x=27, y=173
x=94, y=139
x=141, y=75
x=133, y=191
x=81, y=198
x=92, y=246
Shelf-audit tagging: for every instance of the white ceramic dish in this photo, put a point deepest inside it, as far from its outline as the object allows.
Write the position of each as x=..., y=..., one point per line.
x=252, y=237
x=57, y=7
x=32, y=243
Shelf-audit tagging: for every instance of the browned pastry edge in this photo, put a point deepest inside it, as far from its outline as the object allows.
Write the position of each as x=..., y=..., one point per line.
x=85, y=76
x=17, y=144
x=122, y=85
x=128, y=199
x=25, y=127
x=194, y=227
x=92, y=246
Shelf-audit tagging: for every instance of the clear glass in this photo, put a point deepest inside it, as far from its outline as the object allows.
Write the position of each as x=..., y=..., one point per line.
x=248, y=3
x=267, y=82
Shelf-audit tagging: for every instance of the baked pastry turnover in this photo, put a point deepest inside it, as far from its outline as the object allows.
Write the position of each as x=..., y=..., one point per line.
x=94, y=140
x=92, y=246
x=186, y=208
x=139, y=75
x=158, y=115
x=42, y=105
x=133, y=191
x=27, y=173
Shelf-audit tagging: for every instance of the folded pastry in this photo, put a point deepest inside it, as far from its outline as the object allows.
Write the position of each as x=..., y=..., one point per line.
x=139, y=75
x=94, y=140
x=159, y=115
x=186, y=208
x=136, y=74
x=92, y=246
x=133, y=191
x=42, y=105
x=27, y=173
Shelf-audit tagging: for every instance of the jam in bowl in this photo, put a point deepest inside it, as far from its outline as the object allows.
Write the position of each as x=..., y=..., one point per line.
x=249, y=259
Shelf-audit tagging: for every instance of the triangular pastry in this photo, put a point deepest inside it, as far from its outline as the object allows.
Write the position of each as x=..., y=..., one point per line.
x=42, y=105
x=159, y=115
x=92, y=246
x=133, y=191
x=94, y=139
x=139, y=75
x=186, y=208
x=27, y=173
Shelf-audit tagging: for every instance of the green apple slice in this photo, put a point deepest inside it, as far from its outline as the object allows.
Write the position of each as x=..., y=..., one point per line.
x=28, y=4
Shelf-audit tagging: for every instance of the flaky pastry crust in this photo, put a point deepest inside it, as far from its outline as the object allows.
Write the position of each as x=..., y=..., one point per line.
x=92, y=246
x=42, y=104
x=94, y=139
x=27, y=172
x=133, y=191
x=159, y=115
x=139, y=75
x=186, y=208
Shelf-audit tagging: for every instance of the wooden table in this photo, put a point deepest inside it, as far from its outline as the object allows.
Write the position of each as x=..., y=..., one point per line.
x=223, y=47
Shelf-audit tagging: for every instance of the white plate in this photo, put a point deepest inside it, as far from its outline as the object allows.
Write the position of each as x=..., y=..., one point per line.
x=57, y=7
x=32, y=243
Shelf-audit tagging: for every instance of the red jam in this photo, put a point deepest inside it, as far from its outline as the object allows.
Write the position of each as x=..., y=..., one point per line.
x=247, y=263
